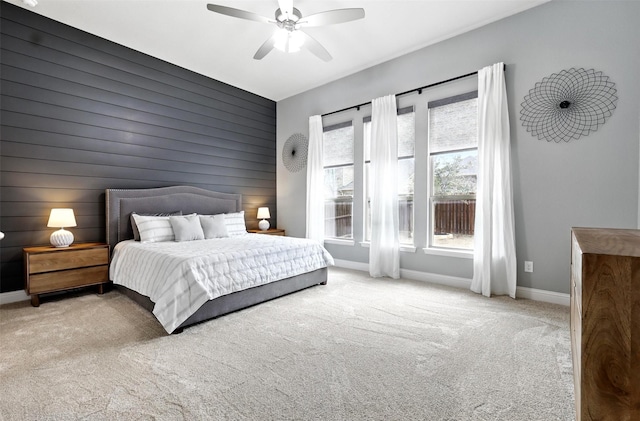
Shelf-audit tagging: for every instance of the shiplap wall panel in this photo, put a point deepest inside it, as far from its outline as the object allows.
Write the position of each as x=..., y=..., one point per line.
x=68, y=133
x=114, y=57
x=129, y=109
x=130, y=120
x=83, y=83
x=54, y=160
x=80, y=114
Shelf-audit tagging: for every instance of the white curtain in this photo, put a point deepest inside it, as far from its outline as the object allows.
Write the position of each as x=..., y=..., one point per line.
x=384, y=251
x=315, y=181
x=494, y=259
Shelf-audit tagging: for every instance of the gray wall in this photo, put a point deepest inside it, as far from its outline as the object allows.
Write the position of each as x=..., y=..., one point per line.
x=80, y=114
x=592, y=181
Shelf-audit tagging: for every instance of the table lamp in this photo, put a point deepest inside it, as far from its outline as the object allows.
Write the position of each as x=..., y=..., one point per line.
x=263, y=213
x=61, y=218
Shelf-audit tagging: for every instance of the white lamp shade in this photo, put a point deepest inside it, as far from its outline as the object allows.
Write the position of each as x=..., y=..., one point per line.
x=61, y=218
x=263, y=213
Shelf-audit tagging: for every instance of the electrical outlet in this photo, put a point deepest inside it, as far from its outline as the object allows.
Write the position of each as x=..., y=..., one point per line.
x=528, y=266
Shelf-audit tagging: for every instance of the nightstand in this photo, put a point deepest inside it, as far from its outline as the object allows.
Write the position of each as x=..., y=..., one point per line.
x=270, y=231
x=50, y=269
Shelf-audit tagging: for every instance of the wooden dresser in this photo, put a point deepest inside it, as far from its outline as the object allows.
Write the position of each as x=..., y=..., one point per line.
x=605, y=323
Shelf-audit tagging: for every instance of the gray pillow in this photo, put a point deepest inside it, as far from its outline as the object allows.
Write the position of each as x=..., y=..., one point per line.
x=134, y=226
x=186, y=228
x=214, y=226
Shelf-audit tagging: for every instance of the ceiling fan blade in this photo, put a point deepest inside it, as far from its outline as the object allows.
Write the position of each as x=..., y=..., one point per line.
x=315, y=47
x=286, y=7
x=265, y=48
x=332, y=16
x=237, y=13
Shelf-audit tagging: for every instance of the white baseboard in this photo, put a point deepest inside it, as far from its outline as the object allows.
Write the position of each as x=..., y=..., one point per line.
x=13, y=297
x=465, y=283
x=542, y=295
x=347, y=264
x=452, y=281
x=434, y=278
x=415, y=275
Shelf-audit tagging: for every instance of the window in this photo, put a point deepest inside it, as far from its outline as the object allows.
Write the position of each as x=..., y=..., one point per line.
x=453, y=167
x=437, y=171
x=406, y=167
x=338, y=142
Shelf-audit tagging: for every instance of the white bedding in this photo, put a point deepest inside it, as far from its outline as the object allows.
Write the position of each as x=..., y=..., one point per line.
x=181, y=276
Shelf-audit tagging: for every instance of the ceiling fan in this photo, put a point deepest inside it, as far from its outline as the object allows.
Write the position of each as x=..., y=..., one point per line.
x=289, y=37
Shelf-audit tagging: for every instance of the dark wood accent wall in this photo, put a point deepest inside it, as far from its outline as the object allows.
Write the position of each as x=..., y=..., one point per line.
x=80, y=114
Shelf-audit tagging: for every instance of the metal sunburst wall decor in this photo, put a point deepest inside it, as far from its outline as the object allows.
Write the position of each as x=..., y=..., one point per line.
x=568, y=105
x=294, y=153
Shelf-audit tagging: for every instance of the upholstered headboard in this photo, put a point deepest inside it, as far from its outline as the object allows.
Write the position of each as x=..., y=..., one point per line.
x=120, y=203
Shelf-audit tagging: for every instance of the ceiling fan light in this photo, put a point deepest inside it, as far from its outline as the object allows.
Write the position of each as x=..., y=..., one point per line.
x=282, y=36
x=288, y=41
x=296, y=39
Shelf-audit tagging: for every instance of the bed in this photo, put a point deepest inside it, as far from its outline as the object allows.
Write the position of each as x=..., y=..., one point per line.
x=232, y=296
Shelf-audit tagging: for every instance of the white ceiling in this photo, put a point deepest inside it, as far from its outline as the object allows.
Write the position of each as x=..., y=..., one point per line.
x=185, y=33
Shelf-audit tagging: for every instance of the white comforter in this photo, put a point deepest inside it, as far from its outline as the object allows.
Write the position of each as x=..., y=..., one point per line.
x=181, y=276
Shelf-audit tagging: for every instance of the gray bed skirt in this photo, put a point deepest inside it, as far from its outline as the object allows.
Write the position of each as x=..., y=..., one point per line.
x=241, y=299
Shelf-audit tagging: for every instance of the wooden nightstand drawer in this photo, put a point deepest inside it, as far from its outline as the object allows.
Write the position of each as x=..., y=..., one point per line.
x=47, y=262
x=57, y=281
x=50, y=269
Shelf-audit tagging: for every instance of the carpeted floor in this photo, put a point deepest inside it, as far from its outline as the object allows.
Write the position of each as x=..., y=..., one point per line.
x=355, y=349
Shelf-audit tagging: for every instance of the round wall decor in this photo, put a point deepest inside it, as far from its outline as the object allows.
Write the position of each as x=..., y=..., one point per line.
x=294, y=153
x=568, y=105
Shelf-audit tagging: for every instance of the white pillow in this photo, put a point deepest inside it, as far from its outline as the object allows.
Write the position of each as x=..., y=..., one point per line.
x=213, y=226
x=235, y=224
x=134, y=227
x=186, y=228
x=154, y=229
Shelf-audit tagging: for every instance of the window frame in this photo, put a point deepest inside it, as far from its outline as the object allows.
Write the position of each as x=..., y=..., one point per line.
x=343, y=122
x=422, y=189
x=411, y=108
x=431, y=198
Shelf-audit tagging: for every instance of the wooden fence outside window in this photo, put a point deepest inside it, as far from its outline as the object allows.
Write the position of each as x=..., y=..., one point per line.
x=456, y=216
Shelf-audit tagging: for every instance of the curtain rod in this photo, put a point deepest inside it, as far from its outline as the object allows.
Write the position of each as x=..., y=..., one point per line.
x=419, y=90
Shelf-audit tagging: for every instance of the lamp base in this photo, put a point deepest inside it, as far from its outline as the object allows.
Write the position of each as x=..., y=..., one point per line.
x=264, y=225
x=61, y=238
